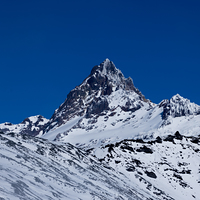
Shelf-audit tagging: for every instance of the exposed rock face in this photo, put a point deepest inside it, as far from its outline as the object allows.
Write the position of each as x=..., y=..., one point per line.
x=33, y=125
x=97, y=106
x=91, y=97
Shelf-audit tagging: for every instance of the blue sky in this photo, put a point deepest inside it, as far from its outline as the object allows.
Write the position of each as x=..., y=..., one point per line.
x=48, y=47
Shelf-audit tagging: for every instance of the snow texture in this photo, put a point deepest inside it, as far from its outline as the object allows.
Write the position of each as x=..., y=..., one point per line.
x=105, y=141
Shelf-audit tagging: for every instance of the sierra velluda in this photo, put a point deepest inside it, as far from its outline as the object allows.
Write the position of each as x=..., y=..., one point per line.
x=105, y=141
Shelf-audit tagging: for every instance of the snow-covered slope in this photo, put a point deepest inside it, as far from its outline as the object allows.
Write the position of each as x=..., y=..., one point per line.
x=116, y=125
x=33, y=168
x=171, y=165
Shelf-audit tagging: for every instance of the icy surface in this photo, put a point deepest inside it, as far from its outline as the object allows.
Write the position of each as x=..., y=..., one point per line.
x=32, y=168
x=51, y=135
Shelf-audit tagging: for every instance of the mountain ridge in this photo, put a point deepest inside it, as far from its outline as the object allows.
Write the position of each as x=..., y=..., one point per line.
x=102, y=93
x=105, y=141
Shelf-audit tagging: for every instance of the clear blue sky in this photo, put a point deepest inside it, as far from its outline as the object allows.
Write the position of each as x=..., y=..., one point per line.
x=47, y=47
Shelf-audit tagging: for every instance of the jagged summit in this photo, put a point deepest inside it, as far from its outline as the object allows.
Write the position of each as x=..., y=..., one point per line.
x=177, y=98
x=111, y=76
x=179, y=106
x=91, y=97
x=107, y=68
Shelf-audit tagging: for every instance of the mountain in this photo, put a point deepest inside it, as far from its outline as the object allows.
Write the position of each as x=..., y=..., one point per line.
x=178, y=106
x=104, y=98
x=107, y=107
x=105, y=141
x=91, y=97
x=31, y=126
x=107, y=104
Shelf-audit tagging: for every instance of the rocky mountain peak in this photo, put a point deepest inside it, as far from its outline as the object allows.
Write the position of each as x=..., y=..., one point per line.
x=179, y=99
x=178, y=106
x=111, y=76
x=91, y=97
x=106, y=68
